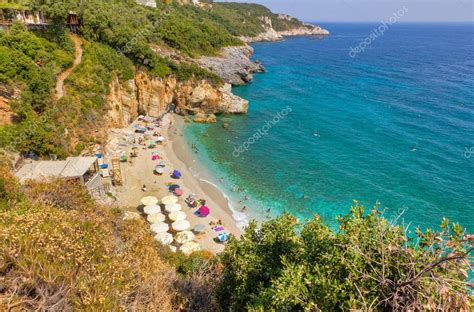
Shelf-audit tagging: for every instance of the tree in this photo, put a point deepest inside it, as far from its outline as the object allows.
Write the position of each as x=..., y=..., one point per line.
x=368, y=264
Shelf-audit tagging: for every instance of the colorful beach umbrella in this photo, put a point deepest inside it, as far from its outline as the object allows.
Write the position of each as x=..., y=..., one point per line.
x=176, y=174
x=223, y=237
x=177, y=215
x=151, y=209
x=172, y=187
x=181, y=225
x=190, y=247
x=159, y=227
x=164, y=238
x=170, y=199
x=178, y=192
x=149, y=200
x=184, y=237
x=172, y=207
x=156, y=217
x=204, y=211
x=159, y=170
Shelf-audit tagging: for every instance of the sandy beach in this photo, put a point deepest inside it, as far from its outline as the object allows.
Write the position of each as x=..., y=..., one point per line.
x=178, y=156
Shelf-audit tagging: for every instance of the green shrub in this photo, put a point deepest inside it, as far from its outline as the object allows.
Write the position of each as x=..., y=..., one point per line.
x=368, y=264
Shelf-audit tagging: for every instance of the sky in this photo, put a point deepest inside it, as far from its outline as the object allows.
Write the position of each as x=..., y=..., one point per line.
x=372, y=10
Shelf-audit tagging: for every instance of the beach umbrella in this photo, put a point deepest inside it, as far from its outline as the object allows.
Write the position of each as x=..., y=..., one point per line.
x=162, y=163
x=149, y=200
x=151, y=209
x=156, y=217
x=160, y=139
x=204, y=211
x=172, y=187
x=181, y=225
x=177, y=215
x=159, y=227
x=173, y=207
x=164, y=238
x=178, y=192
x=176, y=174
x=223, y=237
x=170, y=199
x=184, y=237
x=199, y=228
x=190, y=247
x=159, y=170
x=173, y=248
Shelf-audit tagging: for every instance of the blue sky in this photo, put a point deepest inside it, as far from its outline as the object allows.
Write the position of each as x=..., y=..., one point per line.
x=372, y=10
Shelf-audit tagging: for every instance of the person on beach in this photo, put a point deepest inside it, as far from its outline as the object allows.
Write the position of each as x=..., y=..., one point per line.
x=144, y=188
x=244, y=209
x=246, y=197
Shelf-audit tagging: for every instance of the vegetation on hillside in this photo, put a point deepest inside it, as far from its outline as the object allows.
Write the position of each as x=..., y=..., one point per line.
x=368, y=264
x=245, y=19
x=30, y=63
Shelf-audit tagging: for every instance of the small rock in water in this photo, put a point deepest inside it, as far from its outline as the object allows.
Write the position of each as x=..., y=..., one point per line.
x=225, y=125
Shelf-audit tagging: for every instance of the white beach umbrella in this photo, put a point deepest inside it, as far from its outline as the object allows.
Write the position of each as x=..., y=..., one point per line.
x=160, y=139
x=173, y=248
x=170, y=199
x=190, y=247
x=181, y=225
x=159, y=170
x=159, y=227
x=173, y=207
x=164, y=238
x=151, y=209
x=177, y=215
x=149, y=200
x=156, y=217
x=184, y=237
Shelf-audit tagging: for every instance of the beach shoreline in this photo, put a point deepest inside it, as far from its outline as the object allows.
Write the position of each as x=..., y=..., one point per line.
x=178, y=156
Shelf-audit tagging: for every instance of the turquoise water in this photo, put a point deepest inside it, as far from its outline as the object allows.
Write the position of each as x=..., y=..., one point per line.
x=393, y=125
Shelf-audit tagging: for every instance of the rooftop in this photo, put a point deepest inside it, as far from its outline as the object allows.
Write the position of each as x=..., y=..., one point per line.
x=72, y=167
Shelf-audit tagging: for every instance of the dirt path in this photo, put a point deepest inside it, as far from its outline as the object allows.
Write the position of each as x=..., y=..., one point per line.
x=77, y=60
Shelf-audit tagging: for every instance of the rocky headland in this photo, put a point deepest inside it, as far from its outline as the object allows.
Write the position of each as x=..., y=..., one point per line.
x=233, y=64
x=155, y=96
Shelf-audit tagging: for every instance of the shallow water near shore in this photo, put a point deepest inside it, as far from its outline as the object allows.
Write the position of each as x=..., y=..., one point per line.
x=393, y=125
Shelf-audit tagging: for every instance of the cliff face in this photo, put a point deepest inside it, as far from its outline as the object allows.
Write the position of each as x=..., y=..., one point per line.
x=233, y=64
x=270, y=34
x=154, y=97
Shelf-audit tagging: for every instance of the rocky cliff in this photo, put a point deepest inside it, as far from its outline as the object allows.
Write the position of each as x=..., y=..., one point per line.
x=270, y=34
x=233, y=64
x=155, y=96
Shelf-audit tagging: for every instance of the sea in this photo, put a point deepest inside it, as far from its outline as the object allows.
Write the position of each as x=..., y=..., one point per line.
x=387, y=121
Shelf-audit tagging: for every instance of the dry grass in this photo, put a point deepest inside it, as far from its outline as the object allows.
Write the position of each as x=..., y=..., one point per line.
x=59, y=251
